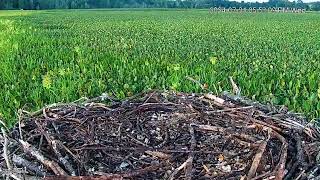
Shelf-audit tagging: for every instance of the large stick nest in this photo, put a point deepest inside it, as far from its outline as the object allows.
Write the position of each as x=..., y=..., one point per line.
x=162, y=135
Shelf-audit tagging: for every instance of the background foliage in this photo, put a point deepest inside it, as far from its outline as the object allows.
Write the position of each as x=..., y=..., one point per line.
x=60, y=56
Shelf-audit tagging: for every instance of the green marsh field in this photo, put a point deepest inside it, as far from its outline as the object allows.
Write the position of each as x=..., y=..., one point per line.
x=60, y=56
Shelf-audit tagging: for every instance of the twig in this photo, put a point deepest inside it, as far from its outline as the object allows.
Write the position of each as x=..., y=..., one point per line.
x=5, y=149
x=108, y=148
x=274, y=128
x=36, y=154
x=188, y=163
x=107, y=176
x=110, y=177
x=300, y=175
x=257, y=158
x=216, y=100
x=193, y=145
x=208, y=128
x=40, y=111
x=137, y=141
x=63, y=160
x=283, y=157
x=176, y=171
x=54, y=147
x=149, y=97
x=248, y=102
x=312, y=173
x=6, y=153
x=235, y=88
x=223, y=130
x=158, y=154
x=68, y=150
x=279, y=174
x=229, y=109
x=197, y=82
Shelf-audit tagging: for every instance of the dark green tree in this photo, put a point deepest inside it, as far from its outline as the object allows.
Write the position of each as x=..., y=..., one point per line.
x=76, y=4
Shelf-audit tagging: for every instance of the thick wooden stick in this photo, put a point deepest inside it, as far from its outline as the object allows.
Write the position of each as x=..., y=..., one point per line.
x=21, y=162
x=36, y=154
x=283, y=157
x=111, y=177
x=63, y=160
x=55, y=148
x=257, y=158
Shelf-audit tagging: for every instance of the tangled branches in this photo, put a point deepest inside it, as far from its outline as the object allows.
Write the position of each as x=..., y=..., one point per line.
x=162, y=135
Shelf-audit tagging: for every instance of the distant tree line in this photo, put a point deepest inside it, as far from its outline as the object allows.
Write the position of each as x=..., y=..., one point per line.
x=77, y=4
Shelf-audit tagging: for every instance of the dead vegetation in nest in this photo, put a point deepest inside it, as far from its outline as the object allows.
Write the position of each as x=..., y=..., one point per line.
x=161, y=135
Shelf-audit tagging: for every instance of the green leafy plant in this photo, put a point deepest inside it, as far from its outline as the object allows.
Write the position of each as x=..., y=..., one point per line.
x=60, y=56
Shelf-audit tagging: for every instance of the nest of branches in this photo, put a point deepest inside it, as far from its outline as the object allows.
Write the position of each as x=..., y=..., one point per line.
x=162, y=135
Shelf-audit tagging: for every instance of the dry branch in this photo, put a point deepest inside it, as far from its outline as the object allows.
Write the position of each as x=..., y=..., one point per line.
x=182, y=166
x=21, y=162
x=257, y=158
x=54, y=145
x=111, y=177
x=5, y=149
x=36, y=154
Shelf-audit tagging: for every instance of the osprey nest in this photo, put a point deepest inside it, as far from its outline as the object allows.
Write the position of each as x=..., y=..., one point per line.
x=161, y=135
